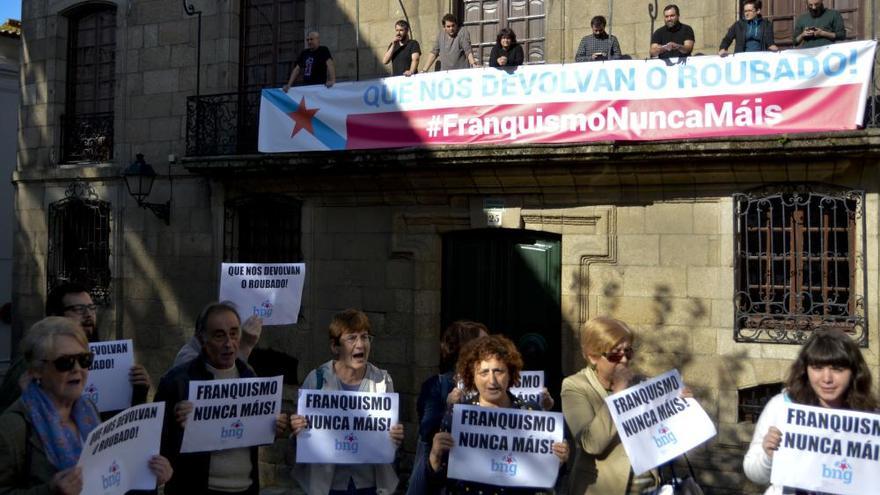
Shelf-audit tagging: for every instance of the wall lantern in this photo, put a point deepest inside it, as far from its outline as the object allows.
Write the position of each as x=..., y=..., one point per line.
x=139, y=177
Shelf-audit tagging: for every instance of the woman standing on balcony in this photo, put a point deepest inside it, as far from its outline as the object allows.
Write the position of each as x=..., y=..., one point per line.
x=828, y=372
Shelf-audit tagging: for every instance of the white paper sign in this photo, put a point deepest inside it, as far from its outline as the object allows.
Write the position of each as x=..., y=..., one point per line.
x=116, y=454
x=655, y=424
x=505, y=447
x=108, y=385
x=270, y=291
x=531, y=386
x=346, y=427
x=229, y=414
x=828, y=450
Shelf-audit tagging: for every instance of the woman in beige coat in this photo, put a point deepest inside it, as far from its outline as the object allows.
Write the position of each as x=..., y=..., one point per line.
x=601, y=466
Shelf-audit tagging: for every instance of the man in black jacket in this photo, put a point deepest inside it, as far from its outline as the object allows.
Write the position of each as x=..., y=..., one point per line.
x=752, y=33
x=230, y=472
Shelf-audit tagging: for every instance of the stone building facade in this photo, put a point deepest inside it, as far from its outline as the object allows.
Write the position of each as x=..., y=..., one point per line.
x=651, y=233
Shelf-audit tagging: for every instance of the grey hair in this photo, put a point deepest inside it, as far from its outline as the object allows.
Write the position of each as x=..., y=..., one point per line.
x=39, y=341
x=207, y=311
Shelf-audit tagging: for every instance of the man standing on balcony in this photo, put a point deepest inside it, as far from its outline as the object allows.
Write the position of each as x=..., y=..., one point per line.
x=403, y=52
x=674, y=39
x=818, y=26
x=315, y=64
x=453, y=46
x=598, y=46
x=752, y=33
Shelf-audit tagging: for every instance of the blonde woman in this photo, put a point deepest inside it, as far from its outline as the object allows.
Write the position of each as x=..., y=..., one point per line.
x=601, y=466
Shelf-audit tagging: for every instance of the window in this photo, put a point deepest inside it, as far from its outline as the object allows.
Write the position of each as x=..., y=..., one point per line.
x=87, y=124
x=751, y=401
x=798, y=263
x=784, y=12
x=483, y=19
x=272, y=34
x=262, y=230
x=79, y=242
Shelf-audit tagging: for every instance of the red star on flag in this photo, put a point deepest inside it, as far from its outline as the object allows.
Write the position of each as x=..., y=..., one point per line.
x=303, y=118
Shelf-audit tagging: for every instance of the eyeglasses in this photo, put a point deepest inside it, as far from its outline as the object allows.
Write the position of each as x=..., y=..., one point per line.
x=81, y=308
x=65, y=363
x=617, y=356
x=352, y=339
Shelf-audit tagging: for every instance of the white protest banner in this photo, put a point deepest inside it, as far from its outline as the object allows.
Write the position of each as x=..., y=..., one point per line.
x=115, y=455
x=270, y=291
x=228, y=414
x=505, y=447
x=108, y=386
x=531, y=385
x=828, y=450
x=346, y=427
x=655, y=424
x=756, y=93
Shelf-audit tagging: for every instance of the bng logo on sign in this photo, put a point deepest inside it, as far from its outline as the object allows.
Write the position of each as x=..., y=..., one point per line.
x=349, y=443
x=506, y=465
x=113, y=476
x=235, y=430
x=840, y=470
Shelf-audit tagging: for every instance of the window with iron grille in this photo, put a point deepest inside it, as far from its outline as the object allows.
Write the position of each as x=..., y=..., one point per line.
x=87, y=124
x=484, y=18
x=751, y=401
x=263, y=229
x=79, y=245
x=799, y=263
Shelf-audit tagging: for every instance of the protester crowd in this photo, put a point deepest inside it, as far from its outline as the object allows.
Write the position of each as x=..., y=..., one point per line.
x=818, y=26
x=47, y=417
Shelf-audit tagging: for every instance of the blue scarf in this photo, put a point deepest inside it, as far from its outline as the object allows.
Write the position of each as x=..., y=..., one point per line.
x=61, y=444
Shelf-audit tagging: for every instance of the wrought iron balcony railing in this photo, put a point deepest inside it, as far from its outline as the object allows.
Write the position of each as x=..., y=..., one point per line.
x=87, y=138
x=222, y=124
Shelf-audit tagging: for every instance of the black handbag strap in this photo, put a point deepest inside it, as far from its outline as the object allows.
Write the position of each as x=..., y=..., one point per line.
x=675, y=481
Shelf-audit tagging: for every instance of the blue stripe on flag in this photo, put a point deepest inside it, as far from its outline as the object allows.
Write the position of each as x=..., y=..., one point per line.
x=323, y=132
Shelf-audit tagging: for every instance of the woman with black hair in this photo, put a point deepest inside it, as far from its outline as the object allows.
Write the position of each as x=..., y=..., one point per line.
x=506, y=52
x=828, y=372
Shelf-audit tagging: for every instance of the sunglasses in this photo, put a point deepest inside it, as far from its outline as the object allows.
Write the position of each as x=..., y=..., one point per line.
x=616, y=357
x=65, y=363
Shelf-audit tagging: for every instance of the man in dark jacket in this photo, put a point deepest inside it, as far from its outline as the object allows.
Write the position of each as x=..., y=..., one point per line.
x=233, y=471
x=752, y=33
x=73, y=301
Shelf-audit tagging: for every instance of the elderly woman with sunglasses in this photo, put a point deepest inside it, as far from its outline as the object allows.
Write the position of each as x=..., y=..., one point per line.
x=42, y=433
x=601, y=466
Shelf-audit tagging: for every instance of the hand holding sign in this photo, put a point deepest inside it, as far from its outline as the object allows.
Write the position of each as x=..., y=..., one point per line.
x=771, y=441
x=67, y=482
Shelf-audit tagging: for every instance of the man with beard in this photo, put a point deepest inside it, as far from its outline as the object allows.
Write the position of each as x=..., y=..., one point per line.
x=818, y=26
x=73, y=301
x=674, y=39
x=403, y=52
x=598, y=46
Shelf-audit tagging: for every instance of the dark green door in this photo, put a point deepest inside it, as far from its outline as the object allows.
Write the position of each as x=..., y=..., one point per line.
x=509, y=280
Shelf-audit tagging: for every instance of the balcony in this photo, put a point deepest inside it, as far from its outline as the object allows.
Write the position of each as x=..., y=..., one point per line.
x=222, y=124
x=87, y=138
